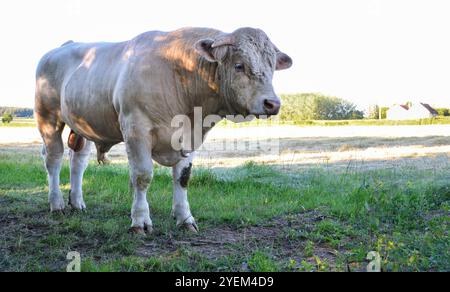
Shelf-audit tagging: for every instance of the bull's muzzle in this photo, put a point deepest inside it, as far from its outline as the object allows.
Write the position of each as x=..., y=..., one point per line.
x=272, y=106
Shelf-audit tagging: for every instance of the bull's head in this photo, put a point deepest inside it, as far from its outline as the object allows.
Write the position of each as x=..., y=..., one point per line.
x=247, y=60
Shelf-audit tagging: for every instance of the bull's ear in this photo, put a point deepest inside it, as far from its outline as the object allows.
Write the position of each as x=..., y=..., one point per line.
x=204, y=48
x=283, y=61
x=214, y=50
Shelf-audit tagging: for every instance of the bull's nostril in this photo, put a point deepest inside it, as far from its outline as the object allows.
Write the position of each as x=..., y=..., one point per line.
x=272, y=106
x=268, y=104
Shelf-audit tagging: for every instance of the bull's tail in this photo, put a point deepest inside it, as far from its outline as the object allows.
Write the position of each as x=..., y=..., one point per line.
x=76, y=142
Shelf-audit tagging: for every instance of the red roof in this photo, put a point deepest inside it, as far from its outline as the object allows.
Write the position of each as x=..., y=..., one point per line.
x=406, y=107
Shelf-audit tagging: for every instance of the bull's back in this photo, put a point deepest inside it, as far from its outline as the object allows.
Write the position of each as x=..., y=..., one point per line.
x=86, y=78
x=77, y=81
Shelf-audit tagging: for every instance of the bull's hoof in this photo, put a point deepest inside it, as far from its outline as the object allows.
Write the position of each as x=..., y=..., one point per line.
x=77, y=204
x=80, y=209
x=191, y=227
x=188, y=224
x=56, y=210
x=144, y=231
x=57, y=205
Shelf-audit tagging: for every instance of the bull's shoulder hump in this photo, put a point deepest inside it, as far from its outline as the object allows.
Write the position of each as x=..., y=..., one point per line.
x=182, y=33
x=148, y=36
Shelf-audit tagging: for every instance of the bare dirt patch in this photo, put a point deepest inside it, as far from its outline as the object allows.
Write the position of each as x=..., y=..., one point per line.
x=226, y=240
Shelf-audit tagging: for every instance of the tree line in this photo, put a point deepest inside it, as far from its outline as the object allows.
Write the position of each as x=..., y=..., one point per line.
x=18, y=112
x=296, y=107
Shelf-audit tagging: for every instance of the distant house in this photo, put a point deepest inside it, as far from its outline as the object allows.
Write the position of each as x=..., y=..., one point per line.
x=398, y=112
x=415, y=112
x=423, y=111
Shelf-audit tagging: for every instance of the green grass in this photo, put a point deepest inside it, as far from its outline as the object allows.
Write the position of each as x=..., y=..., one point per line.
x=20, y=123
x=314, y=220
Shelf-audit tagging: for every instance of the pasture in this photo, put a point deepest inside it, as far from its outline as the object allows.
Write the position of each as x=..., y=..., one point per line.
x=330, y=196
x=19, y=123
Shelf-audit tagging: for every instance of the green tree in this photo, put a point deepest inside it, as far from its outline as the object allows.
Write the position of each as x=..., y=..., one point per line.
x=443, y=112
x=384, y=111
x=17, y=112
x=7, y=118
x=374, y=112
x=316, y=106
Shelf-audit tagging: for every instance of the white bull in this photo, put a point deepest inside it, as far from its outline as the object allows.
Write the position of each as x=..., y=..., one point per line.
x=129, y=92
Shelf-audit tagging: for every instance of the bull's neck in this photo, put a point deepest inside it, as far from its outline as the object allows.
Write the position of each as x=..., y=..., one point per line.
x=199, y=84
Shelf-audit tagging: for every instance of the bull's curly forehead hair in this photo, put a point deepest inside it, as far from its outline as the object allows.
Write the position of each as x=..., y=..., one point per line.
x=257, y=48
x=253, y=36
x=251, y=45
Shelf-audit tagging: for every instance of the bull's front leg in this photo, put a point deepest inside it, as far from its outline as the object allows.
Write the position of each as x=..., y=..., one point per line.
x=138, y=145
x=180, y=208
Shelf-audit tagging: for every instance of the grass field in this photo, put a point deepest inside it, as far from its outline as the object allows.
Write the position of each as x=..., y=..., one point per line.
x=255, y=216
x=18, y=122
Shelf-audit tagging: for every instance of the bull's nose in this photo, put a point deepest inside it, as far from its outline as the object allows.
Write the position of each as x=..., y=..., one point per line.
x=272, y=106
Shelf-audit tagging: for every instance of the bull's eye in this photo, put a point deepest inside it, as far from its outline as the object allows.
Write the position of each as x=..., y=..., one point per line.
x=239, y=67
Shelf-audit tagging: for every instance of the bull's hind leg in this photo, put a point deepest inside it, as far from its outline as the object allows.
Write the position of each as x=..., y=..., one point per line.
x=78, y=163
x=51, y=130
x=180, y=208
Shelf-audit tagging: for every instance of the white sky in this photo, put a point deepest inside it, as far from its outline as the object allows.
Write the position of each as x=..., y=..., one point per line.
x=367, y=51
